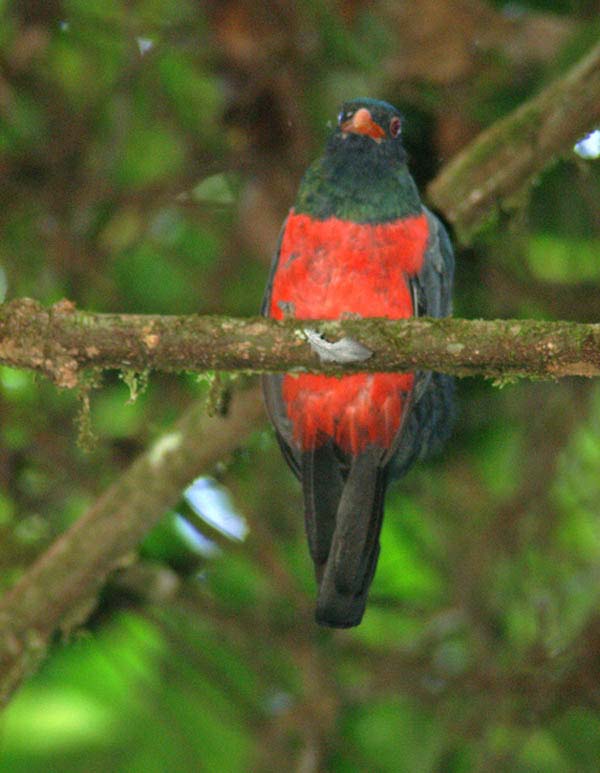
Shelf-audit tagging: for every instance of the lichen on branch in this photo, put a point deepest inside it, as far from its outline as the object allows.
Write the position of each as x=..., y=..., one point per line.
x=62, y=343
x=492, y=171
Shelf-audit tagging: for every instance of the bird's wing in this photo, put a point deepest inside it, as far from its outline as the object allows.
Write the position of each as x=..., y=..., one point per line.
x=429, y=404
x=271, y=384
x=432, y=286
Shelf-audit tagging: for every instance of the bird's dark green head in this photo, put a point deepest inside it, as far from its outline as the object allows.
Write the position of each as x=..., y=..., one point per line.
x=363, y=175
x=363, y=120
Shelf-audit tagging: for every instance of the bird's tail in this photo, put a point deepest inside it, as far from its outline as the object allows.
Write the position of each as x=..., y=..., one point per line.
x=347, y=567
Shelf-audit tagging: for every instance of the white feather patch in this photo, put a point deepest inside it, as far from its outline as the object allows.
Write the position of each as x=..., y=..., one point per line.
x=344, y=351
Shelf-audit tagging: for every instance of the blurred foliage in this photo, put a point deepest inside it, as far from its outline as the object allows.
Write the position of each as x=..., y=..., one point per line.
x=148, y=154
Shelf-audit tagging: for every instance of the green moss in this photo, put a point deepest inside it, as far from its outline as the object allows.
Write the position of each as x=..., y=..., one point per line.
x=136, y=382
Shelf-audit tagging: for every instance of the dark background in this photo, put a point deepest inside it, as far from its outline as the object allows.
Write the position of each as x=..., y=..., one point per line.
x=149, y=152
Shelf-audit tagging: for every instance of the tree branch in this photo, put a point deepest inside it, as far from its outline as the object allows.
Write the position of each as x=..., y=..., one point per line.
x=61, y=341
x=492, y=171
x=59, y=590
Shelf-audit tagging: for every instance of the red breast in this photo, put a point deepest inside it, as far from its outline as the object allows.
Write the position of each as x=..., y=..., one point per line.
x=329, y=268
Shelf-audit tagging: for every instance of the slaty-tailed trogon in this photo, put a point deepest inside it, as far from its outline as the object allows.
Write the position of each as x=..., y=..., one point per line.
x=359, y=243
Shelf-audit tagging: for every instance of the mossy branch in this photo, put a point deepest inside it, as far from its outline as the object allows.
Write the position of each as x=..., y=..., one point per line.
x=62, y=342
x=491, y=173
x=59, y=591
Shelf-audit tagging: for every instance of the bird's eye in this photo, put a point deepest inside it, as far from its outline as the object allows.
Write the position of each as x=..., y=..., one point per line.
x=395, y=126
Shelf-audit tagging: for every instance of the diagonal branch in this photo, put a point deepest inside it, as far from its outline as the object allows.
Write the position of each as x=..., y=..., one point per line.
x=61, y=341
x=59, y=590
x=502, y=161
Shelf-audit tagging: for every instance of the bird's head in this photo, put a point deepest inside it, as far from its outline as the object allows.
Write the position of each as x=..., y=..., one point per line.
x=369, y=118
x=362, y=175
x=368, y=131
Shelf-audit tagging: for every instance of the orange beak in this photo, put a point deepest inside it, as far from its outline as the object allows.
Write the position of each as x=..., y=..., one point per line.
x=362, y=123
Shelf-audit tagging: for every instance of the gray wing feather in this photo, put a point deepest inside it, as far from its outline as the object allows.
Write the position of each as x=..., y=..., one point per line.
x=429, y=416
x=271, y=384
x=432, y=287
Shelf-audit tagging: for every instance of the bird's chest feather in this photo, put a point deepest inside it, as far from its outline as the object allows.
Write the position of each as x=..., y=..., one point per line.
x=328, y=269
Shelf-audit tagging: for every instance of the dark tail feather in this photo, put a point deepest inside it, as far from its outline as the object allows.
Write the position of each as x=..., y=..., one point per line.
x=322, y=485
x=352, y=559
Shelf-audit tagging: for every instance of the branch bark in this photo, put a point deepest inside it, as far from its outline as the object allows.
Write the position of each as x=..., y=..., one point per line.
x=62, y=341
x=490, y=174
x=59, y=590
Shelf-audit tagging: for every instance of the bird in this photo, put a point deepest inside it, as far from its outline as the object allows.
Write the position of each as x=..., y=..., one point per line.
x=357, y=243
